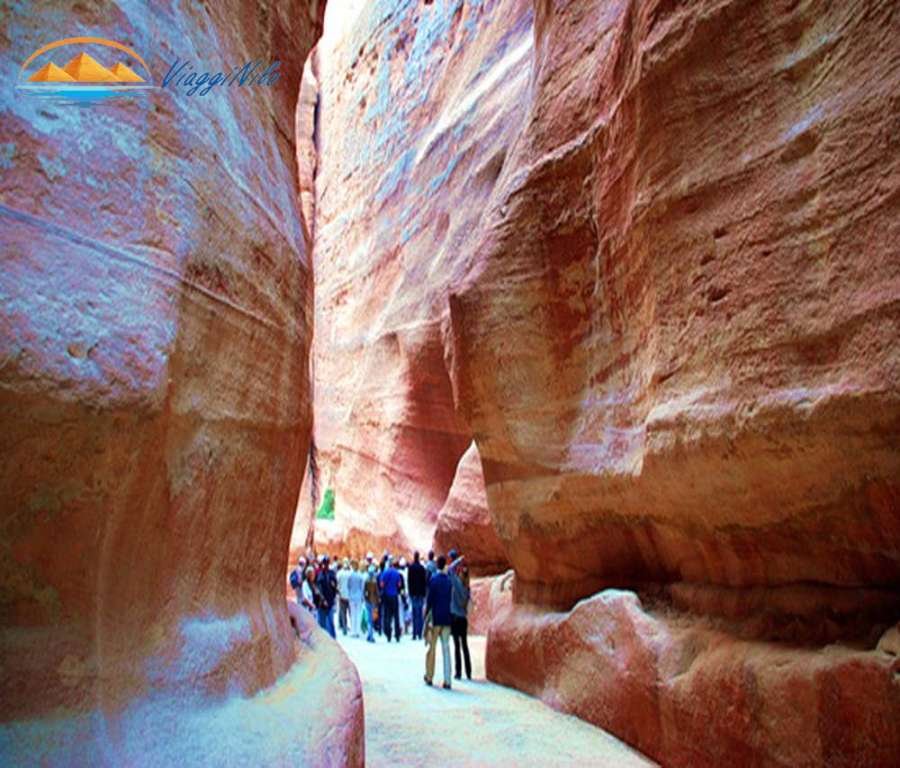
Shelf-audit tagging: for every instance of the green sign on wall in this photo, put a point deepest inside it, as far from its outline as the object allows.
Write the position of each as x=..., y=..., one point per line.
x=326, y=509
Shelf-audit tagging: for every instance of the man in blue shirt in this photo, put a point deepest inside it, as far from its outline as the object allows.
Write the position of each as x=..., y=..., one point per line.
x=391, y=584
x=438, y=621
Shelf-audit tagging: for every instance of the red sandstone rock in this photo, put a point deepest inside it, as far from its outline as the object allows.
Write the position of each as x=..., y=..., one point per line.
x=155, y=320
x=333, y=715
x=677, y=349
x=464, y=523
x=659, y=244
x=678, y=354
x=418, y=104
x=690, y=694
x=490, y=596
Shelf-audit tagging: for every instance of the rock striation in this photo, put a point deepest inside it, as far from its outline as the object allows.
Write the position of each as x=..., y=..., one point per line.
x=678, y=356
x=155, y=324
x=676, y=350
x=691, y=693
x=417, y=106
x=643, y=254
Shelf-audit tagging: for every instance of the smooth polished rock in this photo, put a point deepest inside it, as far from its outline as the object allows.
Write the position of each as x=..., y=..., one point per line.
x=155, y=324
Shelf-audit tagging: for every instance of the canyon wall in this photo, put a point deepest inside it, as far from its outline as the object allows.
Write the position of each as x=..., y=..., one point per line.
x=417, y=105
x=679, y=349
x=155, y=324
x=678, y=354
x=644, y=255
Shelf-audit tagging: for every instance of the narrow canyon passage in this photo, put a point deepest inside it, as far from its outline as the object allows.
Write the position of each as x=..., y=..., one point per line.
x=603, y=294
x=477, y=723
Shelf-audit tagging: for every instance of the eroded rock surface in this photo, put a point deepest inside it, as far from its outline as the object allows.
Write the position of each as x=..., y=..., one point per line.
x=678, y=356
x=417, y=105
x=690, y=693
x=490, y=595
x=155, y=321
x=656, y=242
x=464, y=522
x=679, y=351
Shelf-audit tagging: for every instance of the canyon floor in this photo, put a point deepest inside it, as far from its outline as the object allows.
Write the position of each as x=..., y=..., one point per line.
x=477, y=723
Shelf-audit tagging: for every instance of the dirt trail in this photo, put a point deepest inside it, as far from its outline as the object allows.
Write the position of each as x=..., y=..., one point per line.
x=476, y=724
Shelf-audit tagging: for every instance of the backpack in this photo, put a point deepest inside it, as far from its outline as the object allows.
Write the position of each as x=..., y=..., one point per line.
x=295, y=579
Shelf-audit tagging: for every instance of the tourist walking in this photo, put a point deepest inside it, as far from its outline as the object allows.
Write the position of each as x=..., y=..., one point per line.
x=438, y=620
x=405, y=605
x=296, y=578
x=459, y=626
x=356, y=587
x=391, y=584
x=308, y=593
x=343, y=577
x=326, y=583
x=417, y=584
x=430, y=566
x=373, y=599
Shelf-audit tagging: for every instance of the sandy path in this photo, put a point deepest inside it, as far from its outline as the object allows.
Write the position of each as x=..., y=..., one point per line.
x=476, y=724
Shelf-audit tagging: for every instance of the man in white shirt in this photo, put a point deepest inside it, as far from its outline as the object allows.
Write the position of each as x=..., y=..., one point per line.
x=343, y=577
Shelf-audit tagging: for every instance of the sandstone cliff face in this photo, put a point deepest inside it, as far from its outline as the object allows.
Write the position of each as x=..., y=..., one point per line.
x=678, y=354
x=691, y=693
x=417, y=105
x=155, y=322
x=679, y=351
x=464, y=522
x=657, y=242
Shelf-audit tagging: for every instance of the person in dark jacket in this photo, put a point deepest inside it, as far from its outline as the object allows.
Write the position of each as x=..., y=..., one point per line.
x=391, y=585
x=459, y=627
x=326, y=584
x=382, y=610
x=418, y=587
x=438, y=622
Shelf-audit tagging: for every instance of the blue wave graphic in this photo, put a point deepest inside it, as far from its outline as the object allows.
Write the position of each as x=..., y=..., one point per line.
x=66, y=93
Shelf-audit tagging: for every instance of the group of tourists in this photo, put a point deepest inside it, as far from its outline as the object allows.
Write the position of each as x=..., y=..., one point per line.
x=391, y=598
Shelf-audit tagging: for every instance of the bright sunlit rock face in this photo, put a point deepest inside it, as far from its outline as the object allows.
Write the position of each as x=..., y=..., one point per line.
x=155, y=320
x=417, y=105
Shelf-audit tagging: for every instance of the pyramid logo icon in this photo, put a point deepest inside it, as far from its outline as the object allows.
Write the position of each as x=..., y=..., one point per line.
x=50, y=73
x=85, y=76
x=125, y=74
x=86, y=69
